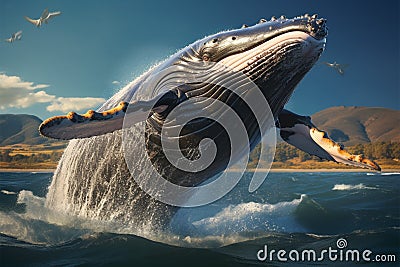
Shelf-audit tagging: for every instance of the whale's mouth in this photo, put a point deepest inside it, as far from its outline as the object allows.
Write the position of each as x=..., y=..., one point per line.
x=225, y=44
x=274, y=54
x=313, y=28
x=273, y=50
x=278, y=65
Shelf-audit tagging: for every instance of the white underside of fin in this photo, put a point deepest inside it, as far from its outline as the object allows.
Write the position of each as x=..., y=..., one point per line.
x=340, y=154
x=302, y=139
x=318, y=143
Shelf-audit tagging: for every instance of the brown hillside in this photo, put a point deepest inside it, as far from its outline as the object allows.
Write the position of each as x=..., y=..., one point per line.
x=354, y=125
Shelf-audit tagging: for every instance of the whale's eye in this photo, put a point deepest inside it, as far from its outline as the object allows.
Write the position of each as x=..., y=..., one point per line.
x=215, y=40
x=233, y=37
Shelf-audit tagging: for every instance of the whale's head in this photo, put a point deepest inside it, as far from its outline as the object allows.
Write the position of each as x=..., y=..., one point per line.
x=225, y=83
x=274, y=54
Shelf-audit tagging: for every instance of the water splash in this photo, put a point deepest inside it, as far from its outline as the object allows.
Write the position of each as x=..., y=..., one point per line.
x=92, y=180
x=96, y=184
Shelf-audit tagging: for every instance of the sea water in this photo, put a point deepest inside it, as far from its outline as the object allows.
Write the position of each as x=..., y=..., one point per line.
x=289, y=212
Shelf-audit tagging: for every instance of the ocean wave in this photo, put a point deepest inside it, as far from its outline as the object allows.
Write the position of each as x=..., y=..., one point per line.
x=252, y=216
x=344, y=187
x=39, y=225
x=382, y=173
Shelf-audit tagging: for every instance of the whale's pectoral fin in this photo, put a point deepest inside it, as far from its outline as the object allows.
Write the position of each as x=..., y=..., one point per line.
x=300, y=132
x=92, y=123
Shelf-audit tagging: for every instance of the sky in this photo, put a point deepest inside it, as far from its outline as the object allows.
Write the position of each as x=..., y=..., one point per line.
x=95, y=47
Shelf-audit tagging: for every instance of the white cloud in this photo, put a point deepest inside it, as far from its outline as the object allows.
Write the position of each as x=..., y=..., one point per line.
x=20, y=94
x=115, y=82
x=66, y=104
x=29, y=99
x=16, y=93
x=16, y=82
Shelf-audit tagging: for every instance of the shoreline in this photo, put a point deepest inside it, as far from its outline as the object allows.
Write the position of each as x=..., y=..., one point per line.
x=26, y=170
x=233, y=170
x=316, y=170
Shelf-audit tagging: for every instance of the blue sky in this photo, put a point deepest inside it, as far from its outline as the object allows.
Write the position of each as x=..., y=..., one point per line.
x=71, y=63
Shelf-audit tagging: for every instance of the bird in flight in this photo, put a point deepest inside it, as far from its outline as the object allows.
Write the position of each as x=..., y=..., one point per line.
x=339, y=67
x=46, y=15
x=14, y=37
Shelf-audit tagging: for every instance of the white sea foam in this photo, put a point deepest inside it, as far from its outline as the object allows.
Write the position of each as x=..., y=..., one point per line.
x=235, y=223
x=8, y=192
x=251, y=215
x=41, y=225
x=382, y=173
x=44, y=226
x=343, y=187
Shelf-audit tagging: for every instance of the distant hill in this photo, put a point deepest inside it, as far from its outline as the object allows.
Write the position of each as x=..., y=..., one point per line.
x=355, y=125
x=20, y=129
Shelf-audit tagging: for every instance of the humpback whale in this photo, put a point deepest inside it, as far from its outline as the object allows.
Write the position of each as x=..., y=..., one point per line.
x=265, y=61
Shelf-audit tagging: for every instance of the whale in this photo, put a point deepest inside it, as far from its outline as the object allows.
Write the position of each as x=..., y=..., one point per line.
x=179, y=107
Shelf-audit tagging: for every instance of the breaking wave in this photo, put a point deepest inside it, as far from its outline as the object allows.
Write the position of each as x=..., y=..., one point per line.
x=283, y=213
x=382, y=173
x=235, y=223
x=343, y=187
x=251, y=215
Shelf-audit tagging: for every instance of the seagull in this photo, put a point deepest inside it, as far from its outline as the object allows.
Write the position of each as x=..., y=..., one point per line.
x=14, y=37
x=46, y=15
x=339, y=67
